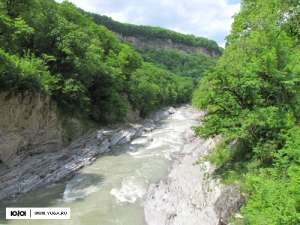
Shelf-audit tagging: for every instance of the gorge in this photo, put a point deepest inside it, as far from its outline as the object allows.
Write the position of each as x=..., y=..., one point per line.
x=133, y=125
x=113, y=188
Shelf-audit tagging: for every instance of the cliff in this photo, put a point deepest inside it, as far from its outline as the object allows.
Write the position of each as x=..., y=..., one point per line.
x=142, y=43
x=143, y=37
x=48, y=167
x=31, y=124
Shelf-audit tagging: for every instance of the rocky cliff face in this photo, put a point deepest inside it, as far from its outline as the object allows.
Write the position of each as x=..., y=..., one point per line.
x=30, y=124
x=49, y=167
x=141, y=43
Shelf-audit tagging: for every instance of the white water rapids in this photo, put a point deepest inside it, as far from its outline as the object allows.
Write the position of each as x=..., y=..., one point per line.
x=112, y=189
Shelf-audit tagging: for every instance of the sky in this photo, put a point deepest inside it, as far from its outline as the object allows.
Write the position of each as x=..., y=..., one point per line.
x=206, y=18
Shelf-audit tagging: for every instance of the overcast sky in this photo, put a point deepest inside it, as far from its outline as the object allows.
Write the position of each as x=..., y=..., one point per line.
x=207, y=18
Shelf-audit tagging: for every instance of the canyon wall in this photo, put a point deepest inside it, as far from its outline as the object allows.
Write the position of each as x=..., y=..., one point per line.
x=30, y=124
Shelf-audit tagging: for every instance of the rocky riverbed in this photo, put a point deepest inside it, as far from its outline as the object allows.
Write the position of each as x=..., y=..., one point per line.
x=148, y=174
x=24, y=175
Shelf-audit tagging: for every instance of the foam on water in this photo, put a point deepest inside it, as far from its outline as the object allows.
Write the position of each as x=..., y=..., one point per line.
x=130, y=190
x=111, y=190
x=155, y=144
x=140, y=141
x=178, y=116
x=144, y=154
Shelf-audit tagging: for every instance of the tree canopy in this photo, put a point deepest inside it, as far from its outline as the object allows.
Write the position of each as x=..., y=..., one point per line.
x=252, y=100
x=58, y=50
x=180, y=63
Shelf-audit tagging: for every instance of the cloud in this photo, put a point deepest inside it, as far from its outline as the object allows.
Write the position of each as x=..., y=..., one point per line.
x=206, y=18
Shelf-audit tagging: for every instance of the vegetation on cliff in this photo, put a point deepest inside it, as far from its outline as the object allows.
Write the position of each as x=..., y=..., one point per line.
x=150, y=33
x=252, y=100
x=180, y=63
x=59, y=50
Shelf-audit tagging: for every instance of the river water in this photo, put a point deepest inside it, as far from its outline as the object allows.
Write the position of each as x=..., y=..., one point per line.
x=111, y=190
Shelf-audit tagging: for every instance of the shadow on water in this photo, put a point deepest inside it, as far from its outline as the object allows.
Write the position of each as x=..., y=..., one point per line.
x=50, y=196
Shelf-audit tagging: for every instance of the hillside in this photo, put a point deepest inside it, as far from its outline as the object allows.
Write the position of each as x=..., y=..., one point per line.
x=178, y=62
x=58, y=50
x=77, y=74
x=252, y=100
x=183, y=55
x=56, y=61
x=143, y=37
x=75, y=86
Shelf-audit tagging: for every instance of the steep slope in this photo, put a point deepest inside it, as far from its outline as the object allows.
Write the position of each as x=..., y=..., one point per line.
x=184, y=55
x=252, y=99
x=30, y=123
x=181, y=63
x=144, y=37
x=57, y=52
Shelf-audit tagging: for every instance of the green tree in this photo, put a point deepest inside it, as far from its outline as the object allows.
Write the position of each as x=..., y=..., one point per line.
x=57, y=49
x=252, y=100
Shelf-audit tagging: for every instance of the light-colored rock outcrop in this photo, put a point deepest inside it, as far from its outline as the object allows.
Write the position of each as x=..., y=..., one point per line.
x=189, y=195
x=140, y=43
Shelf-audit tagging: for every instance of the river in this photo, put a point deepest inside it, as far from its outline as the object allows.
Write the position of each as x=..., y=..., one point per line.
x=111, y=190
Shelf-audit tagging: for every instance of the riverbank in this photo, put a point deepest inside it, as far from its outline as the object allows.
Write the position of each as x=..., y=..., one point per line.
x=112, y=189
x=47, y=168
x=190, y=195
x=161, y=151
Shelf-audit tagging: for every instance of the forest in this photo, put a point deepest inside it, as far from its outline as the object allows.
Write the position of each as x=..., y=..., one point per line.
x=58, y=50
x=252, y=100
x=251, y=94
x=181, y=63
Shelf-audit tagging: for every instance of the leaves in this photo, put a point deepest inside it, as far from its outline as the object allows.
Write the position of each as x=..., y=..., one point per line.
x=57, y=49
x=252, y=99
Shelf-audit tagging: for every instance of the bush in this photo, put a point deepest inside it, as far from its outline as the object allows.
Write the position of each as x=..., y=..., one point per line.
x=21, y=74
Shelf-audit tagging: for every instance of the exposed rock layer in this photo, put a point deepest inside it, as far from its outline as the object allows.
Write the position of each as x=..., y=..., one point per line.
x=31, y=124
x=48, y=167
x=141, y=43
x=28, y=124
x=189, y=195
